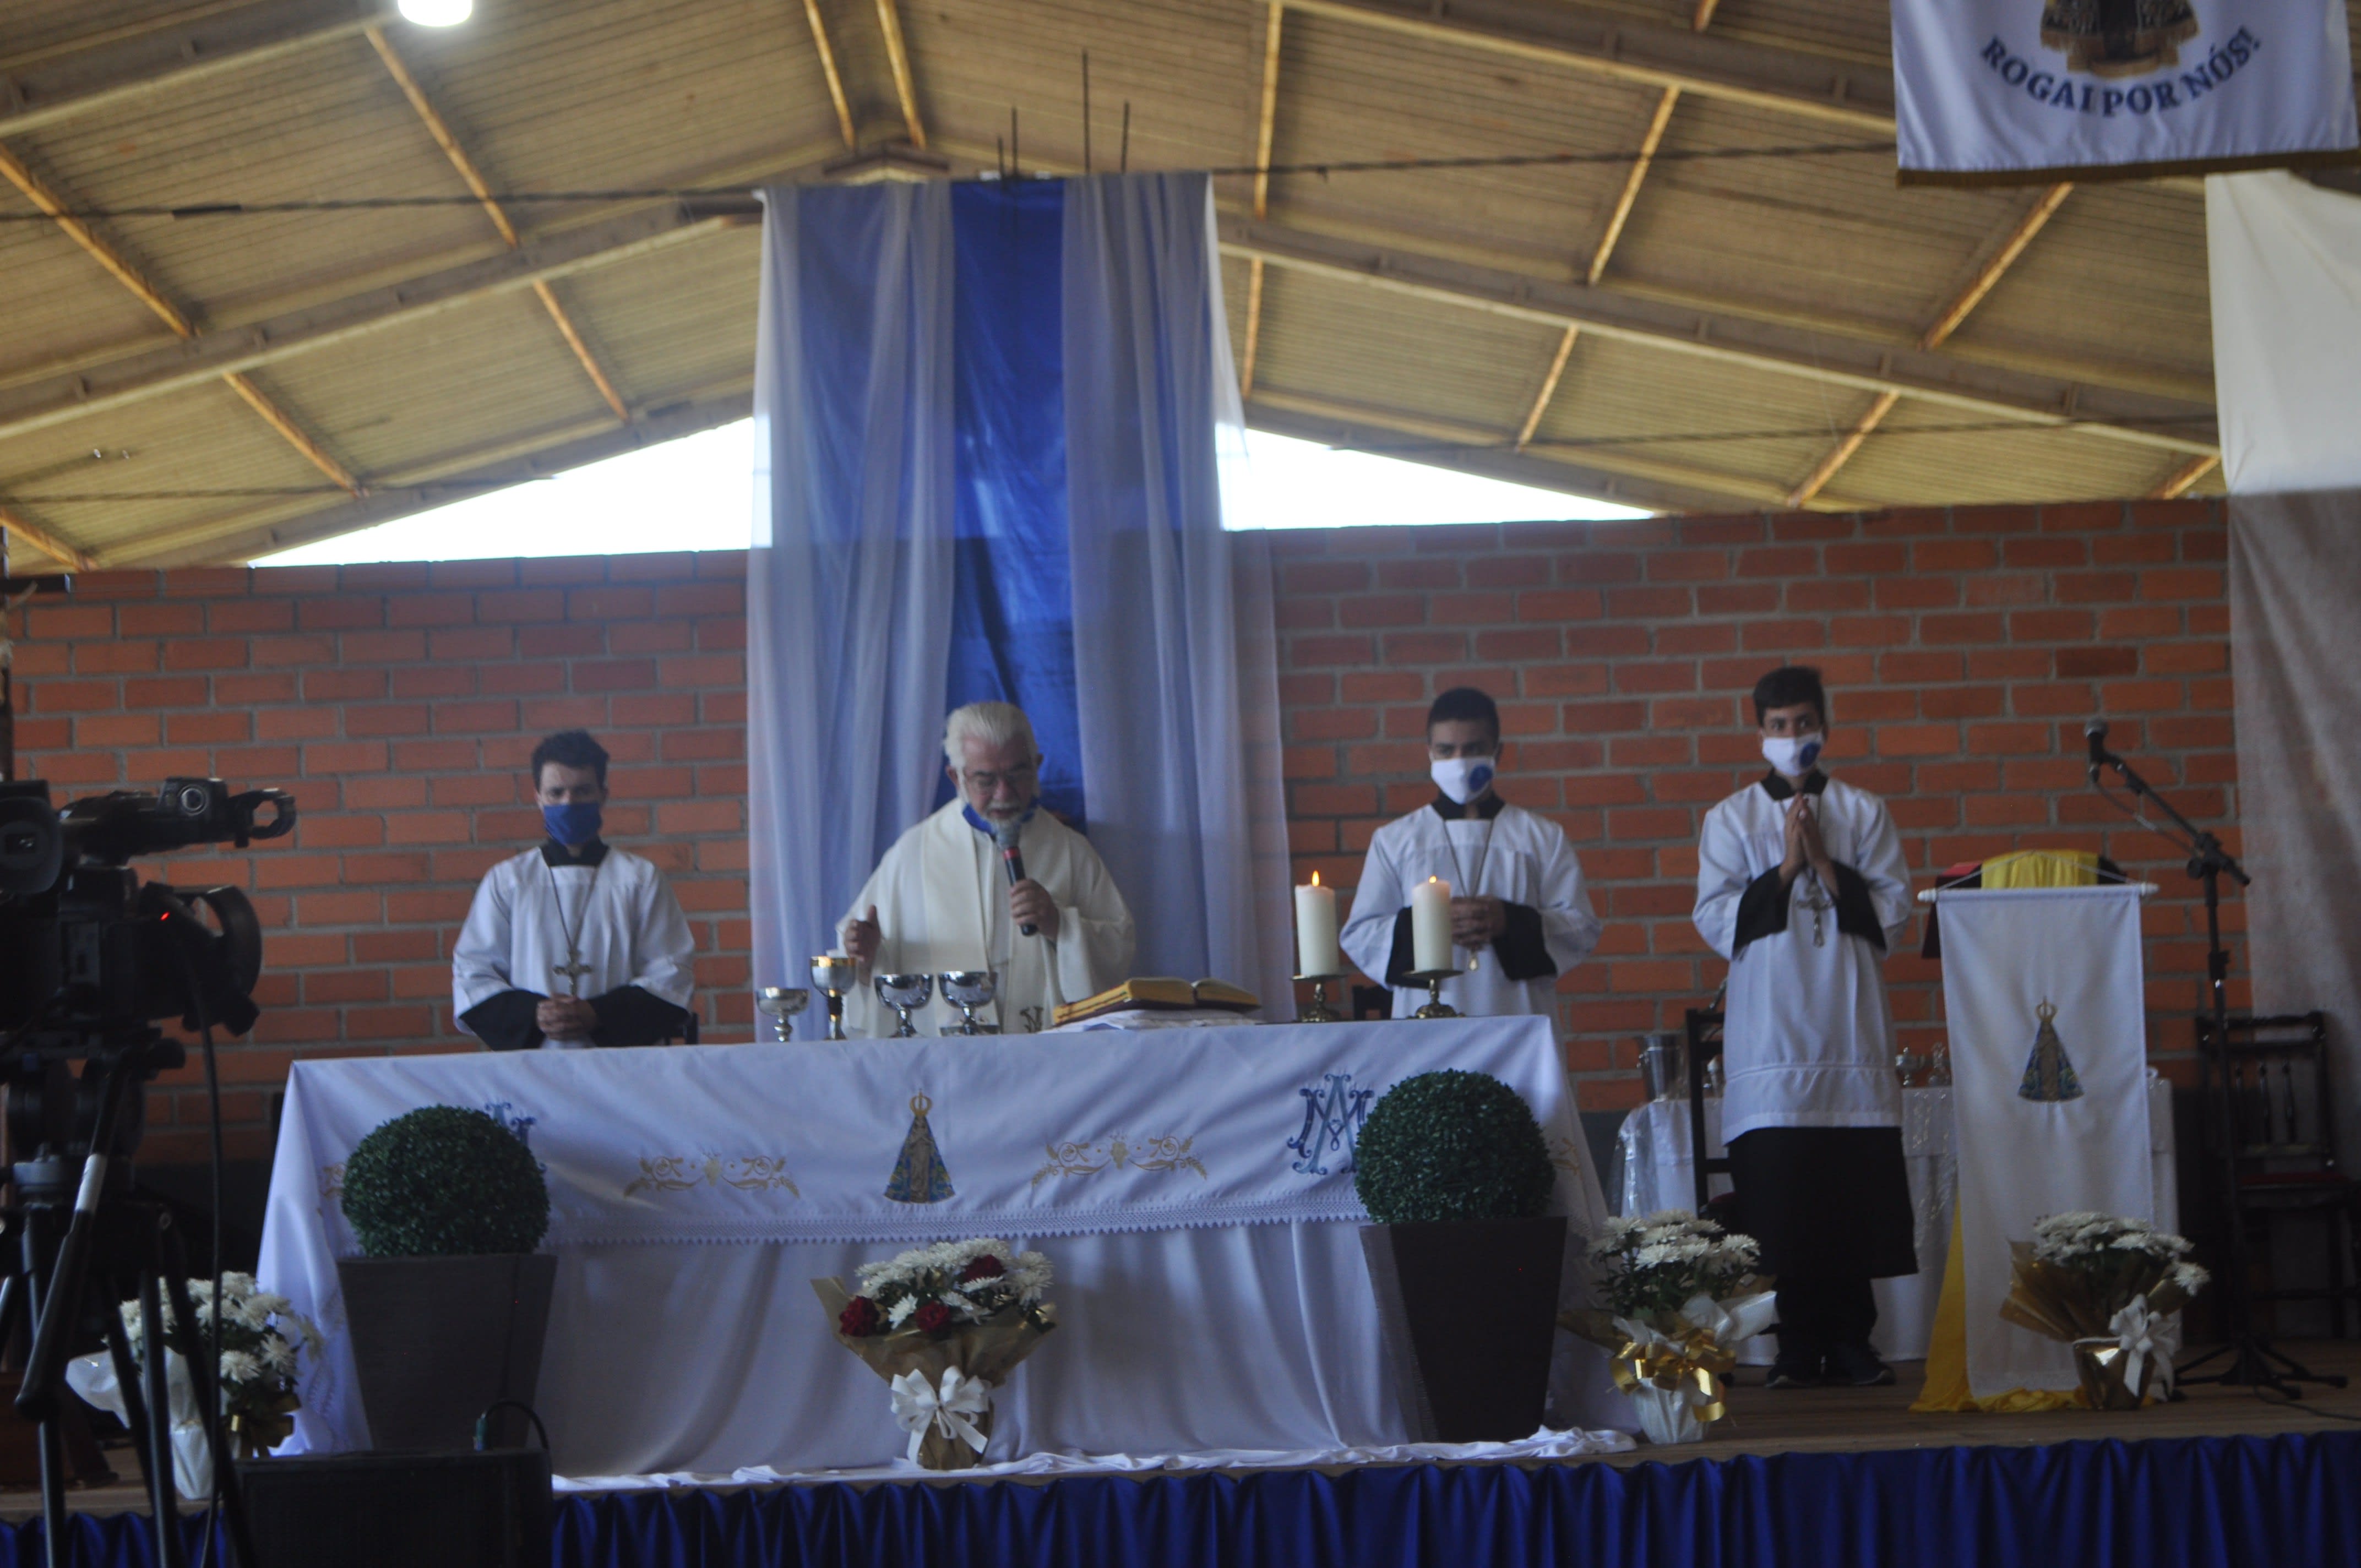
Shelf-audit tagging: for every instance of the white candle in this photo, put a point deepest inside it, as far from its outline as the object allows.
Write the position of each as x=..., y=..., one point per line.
x=1430, y=925
x=1316, y=951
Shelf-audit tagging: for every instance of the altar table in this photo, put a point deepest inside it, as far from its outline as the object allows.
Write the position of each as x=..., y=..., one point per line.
x=1193, y=1188
x=1658, y=1173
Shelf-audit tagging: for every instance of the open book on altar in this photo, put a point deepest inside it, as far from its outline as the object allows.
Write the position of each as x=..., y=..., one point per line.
x=1158, y=991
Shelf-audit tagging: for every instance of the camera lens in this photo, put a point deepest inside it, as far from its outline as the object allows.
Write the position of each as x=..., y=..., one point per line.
x=195, y=798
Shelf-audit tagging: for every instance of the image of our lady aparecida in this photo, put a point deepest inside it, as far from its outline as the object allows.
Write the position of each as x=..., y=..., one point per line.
x=2117, y=37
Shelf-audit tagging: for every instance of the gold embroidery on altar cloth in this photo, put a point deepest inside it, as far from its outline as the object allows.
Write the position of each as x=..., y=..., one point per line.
x=679, y=1173
x=1087, y=1158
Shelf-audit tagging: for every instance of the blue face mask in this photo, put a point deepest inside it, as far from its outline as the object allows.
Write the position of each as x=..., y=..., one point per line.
x=575, y=822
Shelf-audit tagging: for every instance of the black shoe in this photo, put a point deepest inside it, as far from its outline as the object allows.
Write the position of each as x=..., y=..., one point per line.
x=1857, y=1366
x=1793, y=1371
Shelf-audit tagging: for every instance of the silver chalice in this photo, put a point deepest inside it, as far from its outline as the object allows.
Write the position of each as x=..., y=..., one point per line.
x=902, y=992
x=835, y=974
x=780, y=1004
x=969, y=989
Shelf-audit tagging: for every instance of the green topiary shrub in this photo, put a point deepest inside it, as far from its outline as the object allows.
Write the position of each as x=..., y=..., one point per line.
x=440, y=1182
x=1452, y=1145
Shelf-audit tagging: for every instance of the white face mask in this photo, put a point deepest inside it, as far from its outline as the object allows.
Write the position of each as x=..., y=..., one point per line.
x=1791, y=755
x=1462, y=778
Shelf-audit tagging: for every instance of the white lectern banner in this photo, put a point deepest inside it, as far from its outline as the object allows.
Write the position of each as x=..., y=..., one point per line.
x=2043, y=992
x=2009, y=92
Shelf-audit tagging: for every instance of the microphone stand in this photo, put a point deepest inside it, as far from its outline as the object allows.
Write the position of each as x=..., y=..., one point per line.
x=2253, y=1360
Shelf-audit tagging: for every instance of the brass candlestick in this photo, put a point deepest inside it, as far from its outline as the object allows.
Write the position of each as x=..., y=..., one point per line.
x=1319, y=1011
x=1432, y=980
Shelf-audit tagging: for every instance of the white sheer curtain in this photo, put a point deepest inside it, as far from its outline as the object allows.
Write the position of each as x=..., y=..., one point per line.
x=2295, y=581
x=849, y=584
x=1175, y=656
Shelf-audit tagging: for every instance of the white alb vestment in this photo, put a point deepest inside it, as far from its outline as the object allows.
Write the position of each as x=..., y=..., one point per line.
x=627, y=926
x=1808, y=1040
x=941, y=897
x=1516, y=857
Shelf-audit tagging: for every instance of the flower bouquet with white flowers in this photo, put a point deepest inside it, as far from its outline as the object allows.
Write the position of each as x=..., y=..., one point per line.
x=2104, y=1284
x=1682, y=1293
x=944, y=1326
x=262, y=1335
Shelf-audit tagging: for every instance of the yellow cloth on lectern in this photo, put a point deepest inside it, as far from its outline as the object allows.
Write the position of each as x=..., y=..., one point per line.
x=2042, y=868
x=1947, y=1386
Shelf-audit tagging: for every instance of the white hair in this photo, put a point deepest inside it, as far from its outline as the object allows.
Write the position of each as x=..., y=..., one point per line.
x=993, y=723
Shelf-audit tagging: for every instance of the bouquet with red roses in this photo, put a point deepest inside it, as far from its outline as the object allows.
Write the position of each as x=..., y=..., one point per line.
x=944, y=1326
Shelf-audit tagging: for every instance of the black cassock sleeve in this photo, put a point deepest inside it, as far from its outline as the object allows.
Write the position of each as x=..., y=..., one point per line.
x=1856, y=915
x=1403, y=959
x=1762, y=911
x=505, y=1022
x=1523, y=950
x=630, y=1016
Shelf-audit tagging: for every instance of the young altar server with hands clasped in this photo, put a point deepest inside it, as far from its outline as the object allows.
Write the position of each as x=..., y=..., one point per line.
x=1518, y=905
x=1802, y=885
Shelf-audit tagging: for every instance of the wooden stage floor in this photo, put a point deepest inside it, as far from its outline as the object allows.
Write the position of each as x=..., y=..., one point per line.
x=1800, y=1420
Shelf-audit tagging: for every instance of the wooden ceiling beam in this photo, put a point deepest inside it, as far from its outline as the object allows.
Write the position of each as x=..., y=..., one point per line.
x=1265, y=126
x=1623, y=48
x=473, y=178
x=1946, y=322
x=123, y=65
x=2145, y=418
x=134, y=280
x=906, y=85
x=54, y=400
x=1549, y=386
x=71, y=557
x=2177, y=483
x=826, y=52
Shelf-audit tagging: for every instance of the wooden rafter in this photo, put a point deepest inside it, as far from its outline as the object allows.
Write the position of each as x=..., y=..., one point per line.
x=1265, y=126
x=448, y=140
x=897, y=55
x=43, y=540
x=2176, y=484
x=1549, y=386
x=1946, y=322
x=60, y=211
x=1624, y=199
x=826, y=52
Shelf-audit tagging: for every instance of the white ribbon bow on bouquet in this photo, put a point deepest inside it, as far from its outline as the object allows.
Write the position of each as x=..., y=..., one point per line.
x=2135, y=1330
x=917, y=1407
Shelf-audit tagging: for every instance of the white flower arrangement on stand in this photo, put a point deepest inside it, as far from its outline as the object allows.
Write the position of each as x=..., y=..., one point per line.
x=1682, y=1294
x=261, y=1337
x=2104, y=1284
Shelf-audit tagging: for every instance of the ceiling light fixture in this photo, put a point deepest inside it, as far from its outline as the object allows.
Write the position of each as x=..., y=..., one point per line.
x=437, y=13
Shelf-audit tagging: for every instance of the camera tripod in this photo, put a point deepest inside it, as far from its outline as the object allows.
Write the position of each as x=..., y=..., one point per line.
x=75, y=1222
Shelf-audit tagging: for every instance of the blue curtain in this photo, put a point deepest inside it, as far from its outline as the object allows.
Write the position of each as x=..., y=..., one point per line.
x=2165, y=1503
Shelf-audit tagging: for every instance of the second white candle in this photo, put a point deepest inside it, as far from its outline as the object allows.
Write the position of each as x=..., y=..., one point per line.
x=1430, y=925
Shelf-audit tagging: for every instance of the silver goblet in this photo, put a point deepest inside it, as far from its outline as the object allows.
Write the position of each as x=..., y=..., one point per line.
x=780, y=1004
x=969, y=989
x=835, y=974
x=902, y=993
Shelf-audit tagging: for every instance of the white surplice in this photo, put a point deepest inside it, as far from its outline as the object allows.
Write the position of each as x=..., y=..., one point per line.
x=1516, y=857
x=1808, y=1040
x=941, y=896
x=627, y=926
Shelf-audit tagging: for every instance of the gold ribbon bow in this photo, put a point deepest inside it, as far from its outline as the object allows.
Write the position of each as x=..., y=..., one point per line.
x=260, y=1432
x=1689, y=1360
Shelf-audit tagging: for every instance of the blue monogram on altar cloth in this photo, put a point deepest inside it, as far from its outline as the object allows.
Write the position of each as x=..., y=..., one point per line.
x=1333, y=1113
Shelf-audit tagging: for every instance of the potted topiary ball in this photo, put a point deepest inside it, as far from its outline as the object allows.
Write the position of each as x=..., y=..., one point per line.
x=1453, y=1169
x=448, y=1302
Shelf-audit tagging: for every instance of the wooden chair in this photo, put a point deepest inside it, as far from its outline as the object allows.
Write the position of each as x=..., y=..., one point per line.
x=1705, y=1042
x=2285, y=1140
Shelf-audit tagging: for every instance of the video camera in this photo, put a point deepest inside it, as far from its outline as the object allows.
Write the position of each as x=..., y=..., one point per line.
x=89, y=956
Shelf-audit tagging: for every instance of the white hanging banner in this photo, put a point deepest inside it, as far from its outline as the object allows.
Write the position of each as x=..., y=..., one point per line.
x=2015, y=91
x=2043, y=993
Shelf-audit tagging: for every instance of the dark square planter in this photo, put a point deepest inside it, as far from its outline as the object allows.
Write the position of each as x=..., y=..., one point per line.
x=1470, y=1308
x=436, y=1340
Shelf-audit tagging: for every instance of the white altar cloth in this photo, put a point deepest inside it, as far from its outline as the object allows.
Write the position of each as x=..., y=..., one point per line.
x=1192, y=1187
x=1658, y=1173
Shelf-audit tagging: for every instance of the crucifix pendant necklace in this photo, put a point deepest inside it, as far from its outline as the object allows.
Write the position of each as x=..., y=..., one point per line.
x=1474, y=887
x=572, y=970
x=1816, y=900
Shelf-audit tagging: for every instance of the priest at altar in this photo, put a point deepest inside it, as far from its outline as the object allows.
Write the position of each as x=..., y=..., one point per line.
x=574, y=943
x=943, y=897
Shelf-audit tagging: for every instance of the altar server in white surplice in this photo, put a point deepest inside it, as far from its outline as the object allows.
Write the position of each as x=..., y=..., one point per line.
x=943, y=898
x=575, y=943
x=1802, y=885
x=1517, y=903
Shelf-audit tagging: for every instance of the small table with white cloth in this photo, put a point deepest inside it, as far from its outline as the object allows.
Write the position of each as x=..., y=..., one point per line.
x=1658, y=1173
x=1193, y=1188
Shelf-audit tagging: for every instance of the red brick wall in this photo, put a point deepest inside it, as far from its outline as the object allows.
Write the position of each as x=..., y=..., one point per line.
x=1964, y=650
x=399, y=703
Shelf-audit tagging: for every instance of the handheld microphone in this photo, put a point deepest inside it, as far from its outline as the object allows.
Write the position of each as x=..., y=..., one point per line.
x=2095, y=732
x=1005, y=833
